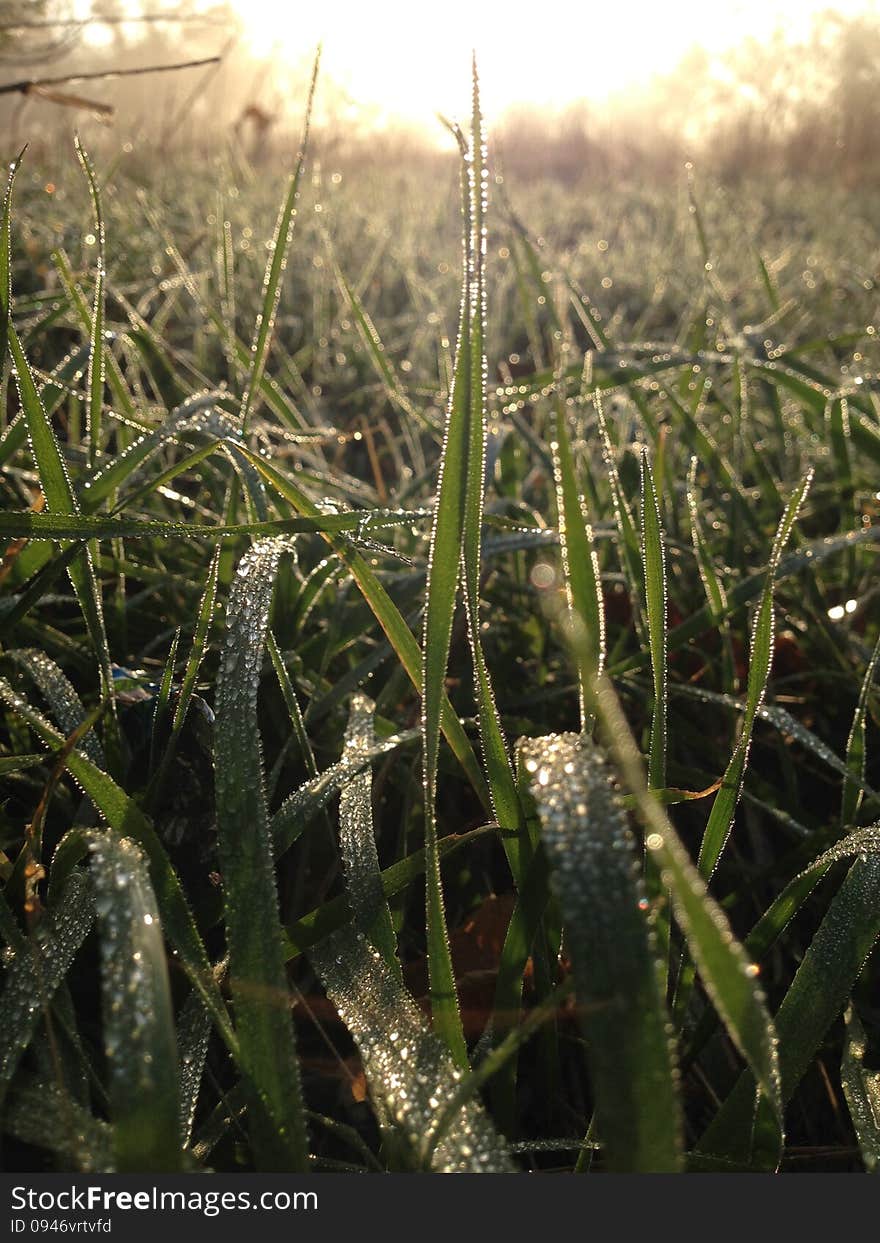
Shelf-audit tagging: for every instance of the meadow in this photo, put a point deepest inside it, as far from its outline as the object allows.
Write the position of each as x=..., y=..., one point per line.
x=438, y=648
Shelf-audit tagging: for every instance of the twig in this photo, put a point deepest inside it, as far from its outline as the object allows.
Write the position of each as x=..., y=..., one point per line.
x=26, y=85
x=78, y=22
x=71, y=101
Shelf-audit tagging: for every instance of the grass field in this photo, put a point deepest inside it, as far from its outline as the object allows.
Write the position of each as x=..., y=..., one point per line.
x=438, y=681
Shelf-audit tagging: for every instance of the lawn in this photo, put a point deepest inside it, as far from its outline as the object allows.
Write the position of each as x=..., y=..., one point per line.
x=438, y=642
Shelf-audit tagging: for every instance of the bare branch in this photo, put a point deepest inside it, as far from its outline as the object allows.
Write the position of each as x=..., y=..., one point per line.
x=71, y=101
x=29, y=85
x=78, y=23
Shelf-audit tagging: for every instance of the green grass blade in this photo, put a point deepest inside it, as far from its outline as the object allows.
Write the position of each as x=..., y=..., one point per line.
x=716, y=597
x=275, y=267
x=728, y=975
x=617, y=971
x=37, y=969
x=96, y=371
x=253, y=932
x=654, y=565
x=387, y=614
x=861, y=1089
x=6, y=262
x=139, y=1040
x=357, y=843
x=193, y=1034
x=200, y=640
x=454, y=544
x=126, y=819
x=80, y=307
x=39, y=1112
x=16, y=763
x=761, y=654
x=27, y=525
x=54, y=479
x=856, y=750
x=653, y=556
x=409, y=1069
x=468, y=406
x=580, y=565
x=816, y=997
x=306, y=802
x=59, y=693
x=628, y=539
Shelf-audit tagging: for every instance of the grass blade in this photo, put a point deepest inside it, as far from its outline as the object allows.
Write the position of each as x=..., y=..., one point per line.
x=59, y=693
x=628, y=539
x=861, y=1088
x=193, y=1034
x=387, y=614
x=40, y=1113
x=126, y=819
x=409, y=1069
x=654, y=565
x=37, y=969
x=54, y=479
x=816, y=997
x=139, y=1041
x=856, y=751
x=357, y=843
x=724, y=807
x=275, y=267
x=253, y=931
x=96, y=371
x=22, y=524
x=716, y=597
x=468, y=407
x=617, y=972
x=199, y=643
x=306, y=802
x=455, y=548
x=729, y=977
x=580, y=565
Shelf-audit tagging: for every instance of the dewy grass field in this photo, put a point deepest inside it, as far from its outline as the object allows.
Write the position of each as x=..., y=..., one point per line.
x=417, y=762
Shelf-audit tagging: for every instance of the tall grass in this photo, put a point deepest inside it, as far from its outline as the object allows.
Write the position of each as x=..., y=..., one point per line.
x=586, y=653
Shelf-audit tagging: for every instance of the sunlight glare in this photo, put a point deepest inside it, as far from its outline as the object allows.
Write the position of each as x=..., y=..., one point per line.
x=402, y=59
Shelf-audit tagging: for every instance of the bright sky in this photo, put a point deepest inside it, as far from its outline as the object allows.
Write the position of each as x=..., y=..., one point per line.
x=411, y=59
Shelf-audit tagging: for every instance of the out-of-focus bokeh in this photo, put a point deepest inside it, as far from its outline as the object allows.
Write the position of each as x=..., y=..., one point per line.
x=783, y=87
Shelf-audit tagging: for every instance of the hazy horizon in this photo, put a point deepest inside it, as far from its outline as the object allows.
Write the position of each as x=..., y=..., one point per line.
x=377, y=55
x=378, y=60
